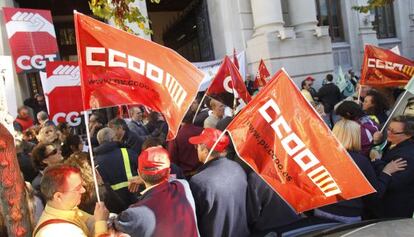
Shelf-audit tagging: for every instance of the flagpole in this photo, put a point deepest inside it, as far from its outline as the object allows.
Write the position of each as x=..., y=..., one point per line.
x=359, y=93
x=214, y=145
x=86, y=116
x=199, y=105
x=393, y=110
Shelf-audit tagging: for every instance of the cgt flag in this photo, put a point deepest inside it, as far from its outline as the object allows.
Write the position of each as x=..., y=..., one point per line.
x=261, y=76
x=120, y=68
x=62, y=82
x=382, y=67
x=292, y=149
x=32, y=38
x=228, y=86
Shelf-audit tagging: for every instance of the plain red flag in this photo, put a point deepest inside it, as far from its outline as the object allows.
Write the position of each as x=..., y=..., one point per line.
x=382, y=67
x=228, y=86
x=261, y=75
x=282, y=138
x=120, y=68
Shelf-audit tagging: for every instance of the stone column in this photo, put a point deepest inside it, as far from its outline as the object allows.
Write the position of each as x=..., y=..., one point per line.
x=267, y=16
x=303, y=17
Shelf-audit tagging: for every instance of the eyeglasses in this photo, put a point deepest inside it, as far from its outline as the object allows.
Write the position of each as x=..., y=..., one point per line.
x=393, y=132
x=54, y=152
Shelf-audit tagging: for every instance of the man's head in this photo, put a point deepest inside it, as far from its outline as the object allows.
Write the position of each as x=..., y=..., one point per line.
x=62, y=186
x=217, y=107
x=136, y=113
x=307, y=84
x=105, y=135
x=154, y=165
x=40, y=99
x=120, y=127
x=23, y=112
x=400, y=129
x=42, y=116
x=205, y=142
x=329, y=77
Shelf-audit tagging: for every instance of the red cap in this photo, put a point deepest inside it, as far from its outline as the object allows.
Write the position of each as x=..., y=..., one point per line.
x=309, y=78
x=208, y=137
x=153, y=160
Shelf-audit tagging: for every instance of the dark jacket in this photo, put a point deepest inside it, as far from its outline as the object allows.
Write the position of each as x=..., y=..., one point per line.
x=266, y=210
x=220, y=189
x=183, y=153
x=329, y=94
x=111, y=167
x=357, y=206
x=166, y=210
x=398, y=200
x=35, y=106
x=132, y=141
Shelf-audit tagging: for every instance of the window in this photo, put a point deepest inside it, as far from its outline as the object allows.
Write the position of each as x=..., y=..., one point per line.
x=328, y=13
x=384, y=22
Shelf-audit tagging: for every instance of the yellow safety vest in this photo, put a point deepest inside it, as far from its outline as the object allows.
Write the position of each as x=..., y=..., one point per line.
x=128, y=172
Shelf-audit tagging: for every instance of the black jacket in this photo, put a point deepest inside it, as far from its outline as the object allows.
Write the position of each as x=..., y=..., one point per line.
x=220, y=189
x=329, y=95
x=266, y=210
x=398, y=200
x=132, y=141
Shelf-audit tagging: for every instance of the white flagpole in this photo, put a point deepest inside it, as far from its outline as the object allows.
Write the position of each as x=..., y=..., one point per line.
x=199, y=105
x=214, y=146
x=86, y=116
x=359, y=93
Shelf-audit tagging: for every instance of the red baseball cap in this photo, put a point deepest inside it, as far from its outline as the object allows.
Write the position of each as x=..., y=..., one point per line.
x=208, y=137
x=153, y=160
x=309, y=78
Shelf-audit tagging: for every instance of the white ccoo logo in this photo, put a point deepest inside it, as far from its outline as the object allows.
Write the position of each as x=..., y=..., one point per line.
x=29, y=22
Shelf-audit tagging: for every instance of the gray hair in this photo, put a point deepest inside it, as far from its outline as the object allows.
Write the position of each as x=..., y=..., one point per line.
x=42, y=115
x=105, y=135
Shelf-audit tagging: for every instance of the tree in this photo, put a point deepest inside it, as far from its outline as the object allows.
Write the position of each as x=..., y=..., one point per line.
x=121, y=12
x=372, y=4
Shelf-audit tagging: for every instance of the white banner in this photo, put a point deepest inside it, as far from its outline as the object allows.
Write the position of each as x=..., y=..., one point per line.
x=7, y=80
x=210, y=69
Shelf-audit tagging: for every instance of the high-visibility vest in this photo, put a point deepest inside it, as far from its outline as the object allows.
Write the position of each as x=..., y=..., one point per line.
x=128, y=172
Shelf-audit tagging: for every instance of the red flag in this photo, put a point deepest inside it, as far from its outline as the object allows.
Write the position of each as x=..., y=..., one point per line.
x=120, y=68
x=228, y=86
x=32, y=38
x=382, y=67
x=281, y=137
x=63, y=92
x=235, y=60
x=261, y=75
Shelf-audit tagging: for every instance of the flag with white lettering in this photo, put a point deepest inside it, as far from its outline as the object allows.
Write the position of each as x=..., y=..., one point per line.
x=382, y=67
x=293, y=150
x=32, y=38
x=228, y=87
x=61, y=87
x=120, y=68
x=262, y=75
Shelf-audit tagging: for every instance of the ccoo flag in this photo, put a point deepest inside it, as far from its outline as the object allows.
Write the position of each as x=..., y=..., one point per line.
x=121, y=68
x=282, y=138
x=382, y=67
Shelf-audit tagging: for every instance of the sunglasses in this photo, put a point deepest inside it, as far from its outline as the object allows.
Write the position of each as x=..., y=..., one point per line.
x=54, y=152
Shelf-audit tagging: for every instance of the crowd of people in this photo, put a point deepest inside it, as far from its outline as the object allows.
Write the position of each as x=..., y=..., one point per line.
x=152, y=187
